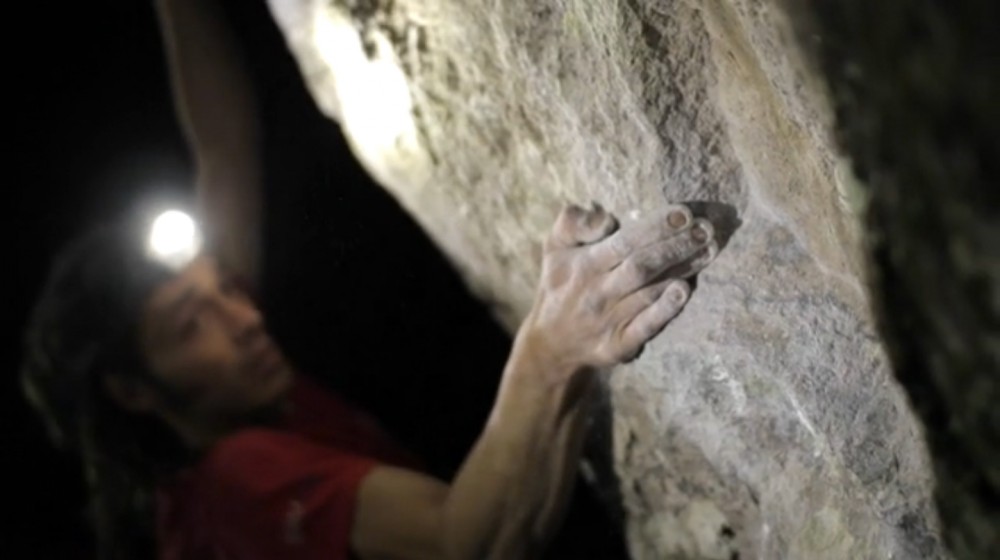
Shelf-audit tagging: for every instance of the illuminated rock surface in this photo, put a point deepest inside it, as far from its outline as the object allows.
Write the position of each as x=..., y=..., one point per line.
x=765, y=421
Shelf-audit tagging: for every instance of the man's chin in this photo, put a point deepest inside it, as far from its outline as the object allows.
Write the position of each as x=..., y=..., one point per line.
x=273, y=406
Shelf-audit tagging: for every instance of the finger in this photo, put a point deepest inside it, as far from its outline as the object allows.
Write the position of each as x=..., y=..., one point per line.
x=650, y=263
x=631, y=305
x=696, y=263
x=668, y=222
x=597, y=225
x=576, y=226
x=651, y=320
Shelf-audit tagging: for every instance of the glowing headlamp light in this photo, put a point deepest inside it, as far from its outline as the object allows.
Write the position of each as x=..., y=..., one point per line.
x=174, y=240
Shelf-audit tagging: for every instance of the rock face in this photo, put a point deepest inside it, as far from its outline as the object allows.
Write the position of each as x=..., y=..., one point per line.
x=765, y=421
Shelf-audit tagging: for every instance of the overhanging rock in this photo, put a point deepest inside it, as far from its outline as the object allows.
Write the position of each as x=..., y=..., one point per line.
x=764, y=421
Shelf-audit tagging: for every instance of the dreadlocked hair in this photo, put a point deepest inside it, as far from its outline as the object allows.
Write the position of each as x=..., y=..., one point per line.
x=83, y=327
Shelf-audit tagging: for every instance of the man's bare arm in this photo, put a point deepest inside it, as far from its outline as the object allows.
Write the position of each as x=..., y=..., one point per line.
x=602, y=296
x=216, y=106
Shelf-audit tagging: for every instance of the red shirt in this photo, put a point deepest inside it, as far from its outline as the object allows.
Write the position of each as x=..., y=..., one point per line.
x=288, y=493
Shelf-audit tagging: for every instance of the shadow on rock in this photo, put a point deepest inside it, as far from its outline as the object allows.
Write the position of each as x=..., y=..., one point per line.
x=723, y=217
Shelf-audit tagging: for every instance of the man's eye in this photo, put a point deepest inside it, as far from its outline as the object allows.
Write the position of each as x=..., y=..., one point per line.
x=230, y=287
x=188, y=328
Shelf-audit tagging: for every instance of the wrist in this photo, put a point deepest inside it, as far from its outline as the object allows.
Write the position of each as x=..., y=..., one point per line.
x=536, y=382
x=539, y=354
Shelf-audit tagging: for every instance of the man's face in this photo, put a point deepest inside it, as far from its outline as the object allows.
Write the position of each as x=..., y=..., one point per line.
x=204, y=339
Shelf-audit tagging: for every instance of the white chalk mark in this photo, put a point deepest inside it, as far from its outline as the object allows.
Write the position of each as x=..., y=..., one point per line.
x=801, y=414
x=721, y=375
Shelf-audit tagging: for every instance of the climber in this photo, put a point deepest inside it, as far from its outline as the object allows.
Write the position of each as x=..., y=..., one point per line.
x=148, y=355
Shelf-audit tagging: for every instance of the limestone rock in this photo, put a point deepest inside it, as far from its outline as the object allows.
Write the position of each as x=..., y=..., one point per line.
x=765, y=421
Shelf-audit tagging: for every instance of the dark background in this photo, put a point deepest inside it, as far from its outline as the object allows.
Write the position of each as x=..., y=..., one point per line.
x=360, y=299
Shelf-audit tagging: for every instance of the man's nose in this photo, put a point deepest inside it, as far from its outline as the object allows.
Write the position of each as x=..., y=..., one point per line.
x=244, y=319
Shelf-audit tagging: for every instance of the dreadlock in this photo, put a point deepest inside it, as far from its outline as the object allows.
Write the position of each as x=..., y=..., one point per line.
x=83, y=327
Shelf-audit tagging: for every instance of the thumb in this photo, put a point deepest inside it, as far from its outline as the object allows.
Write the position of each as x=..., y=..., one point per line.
x=577, y=226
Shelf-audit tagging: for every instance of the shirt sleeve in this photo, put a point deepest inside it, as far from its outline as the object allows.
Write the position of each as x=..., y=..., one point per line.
x=277, y=495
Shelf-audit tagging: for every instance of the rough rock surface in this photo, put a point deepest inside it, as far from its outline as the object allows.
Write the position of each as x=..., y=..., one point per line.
x=764, y=422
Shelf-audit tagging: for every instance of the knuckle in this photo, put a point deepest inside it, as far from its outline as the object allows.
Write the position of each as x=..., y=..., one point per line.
x=594, y=303
x=588, y=263
x=633, y=271
x=606, y=355
x=619, y=245
x=603, y=353
x=647, y=330
x=556, y=240
x=645, y=264
x=579, y=268
x=615, y=341
x=612, y=352
x=551, y=244
x=652, y=295
x=556, y=273
x=659, y=259
x=630, y=354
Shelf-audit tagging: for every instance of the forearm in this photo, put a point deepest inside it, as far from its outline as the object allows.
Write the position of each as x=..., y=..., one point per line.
x=212, y=90
x=511, y=491
x=216, y=106
x=600, y=298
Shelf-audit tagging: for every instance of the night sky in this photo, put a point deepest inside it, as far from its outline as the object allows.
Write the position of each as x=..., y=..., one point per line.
x=362, y=300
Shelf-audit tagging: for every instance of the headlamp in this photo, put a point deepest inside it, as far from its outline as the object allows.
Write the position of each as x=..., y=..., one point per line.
x=174, y=240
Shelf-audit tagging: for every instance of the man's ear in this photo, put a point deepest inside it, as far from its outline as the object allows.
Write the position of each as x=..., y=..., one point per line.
x=129, y=393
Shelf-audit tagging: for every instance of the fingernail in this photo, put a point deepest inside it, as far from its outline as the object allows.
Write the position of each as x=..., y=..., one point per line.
x=677, y=294
x=699, y=234
x=677, y=219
